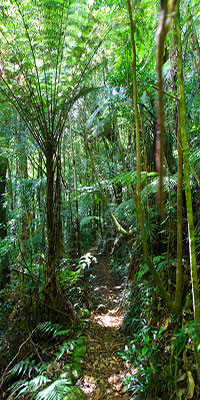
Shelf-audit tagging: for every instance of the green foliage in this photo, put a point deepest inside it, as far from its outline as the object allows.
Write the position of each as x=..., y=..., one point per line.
x=66, y=348
x=25, y=367
x=88, y=220
x=44, y=381
x=151, y=188
x=144, y=352
x=49, y=58
x=55, y=391
x=139, y=302
x=47, y=328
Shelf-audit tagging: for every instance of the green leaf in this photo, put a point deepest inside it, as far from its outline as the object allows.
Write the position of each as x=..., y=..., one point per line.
x=145, y=350
x=55, y=391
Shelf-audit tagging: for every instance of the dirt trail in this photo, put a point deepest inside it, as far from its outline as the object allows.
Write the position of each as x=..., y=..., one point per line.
x=103, y=367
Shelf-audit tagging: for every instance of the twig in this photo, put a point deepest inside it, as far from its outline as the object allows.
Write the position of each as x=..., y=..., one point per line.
x=36, y=350
x=16, y=355
x=168, y=94
x=52, y=308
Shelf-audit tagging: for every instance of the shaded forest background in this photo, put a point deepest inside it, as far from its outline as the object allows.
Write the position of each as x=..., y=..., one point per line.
x=100, y=144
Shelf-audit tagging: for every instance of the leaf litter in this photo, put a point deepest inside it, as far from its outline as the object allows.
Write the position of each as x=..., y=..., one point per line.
x=104, y=369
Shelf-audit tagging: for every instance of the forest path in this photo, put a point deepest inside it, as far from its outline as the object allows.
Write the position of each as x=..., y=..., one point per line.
x=103, y=367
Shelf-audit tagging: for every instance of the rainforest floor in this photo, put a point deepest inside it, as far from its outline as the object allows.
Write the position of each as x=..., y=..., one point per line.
x=103, y=367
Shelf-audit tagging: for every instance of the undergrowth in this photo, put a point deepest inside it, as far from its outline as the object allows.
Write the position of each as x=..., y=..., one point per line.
x=160, y=352
x=47, y=376
x=41, y=366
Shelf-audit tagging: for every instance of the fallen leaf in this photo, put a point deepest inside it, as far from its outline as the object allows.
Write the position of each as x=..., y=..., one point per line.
x=119, y=386
x=181, y=378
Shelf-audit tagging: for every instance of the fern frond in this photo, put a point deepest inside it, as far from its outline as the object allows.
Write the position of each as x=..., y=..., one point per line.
x=62, y=332
x=47, y=328
x=25, y=386
x=37, y=382
x=88, y=219
x=152, y=187
x=24, y=367
x=67, y=347
x=125, y=207
x=55, y=391
x=86, y=260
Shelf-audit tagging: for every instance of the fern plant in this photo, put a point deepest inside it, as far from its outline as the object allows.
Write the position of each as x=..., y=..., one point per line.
x=46, y=380
x=36, y=380
x=34, y=389
x=55, y=391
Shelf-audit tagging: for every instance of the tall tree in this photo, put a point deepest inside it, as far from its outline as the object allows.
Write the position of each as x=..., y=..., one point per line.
x=3, y=220
x=43, y=63
x=185, y=146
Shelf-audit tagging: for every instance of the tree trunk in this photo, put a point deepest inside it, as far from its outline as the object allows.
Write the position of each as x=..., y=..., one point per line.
x=4, y=265
x=191, y=231
x=57, y=204
x=137, y=124
x=166, y=296
x=76, y=196
x=51, y=284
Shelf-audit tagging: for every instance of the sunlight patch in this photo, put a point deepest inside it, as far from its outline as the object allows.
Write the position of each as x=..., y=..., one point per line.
x=108, y=320
x=115, y=382
x=89, y=385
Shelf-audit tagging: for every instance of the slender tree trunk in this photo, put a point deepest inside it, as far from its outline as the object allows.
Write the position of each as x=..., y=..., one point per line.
x=121, y=150
x=191, y=231
x=76, y=195
x=162, y=33
x=51, y=284
x=58, y=201
x=4, y=267
x=176, y=112
x=179, y=273
x=166, y=296
x=137, y=123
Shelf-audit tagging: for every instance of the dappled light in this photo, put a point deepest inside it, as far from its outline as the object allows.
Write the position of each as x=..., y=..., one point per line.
x=109, y=319
x=99, y=200
x=104, y=369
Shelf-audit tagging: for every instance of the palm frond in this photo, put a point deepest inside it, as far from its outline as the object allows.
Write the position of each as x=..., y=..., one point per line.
x=125, y=207
x=152, y=187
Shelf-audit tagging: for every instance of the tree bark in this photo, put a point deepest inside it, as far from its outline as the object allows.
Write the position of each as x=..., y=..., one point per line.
x=191, y=230
x=76, y=195
x=137, y=124
x=4, y=266
x=51, y=283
